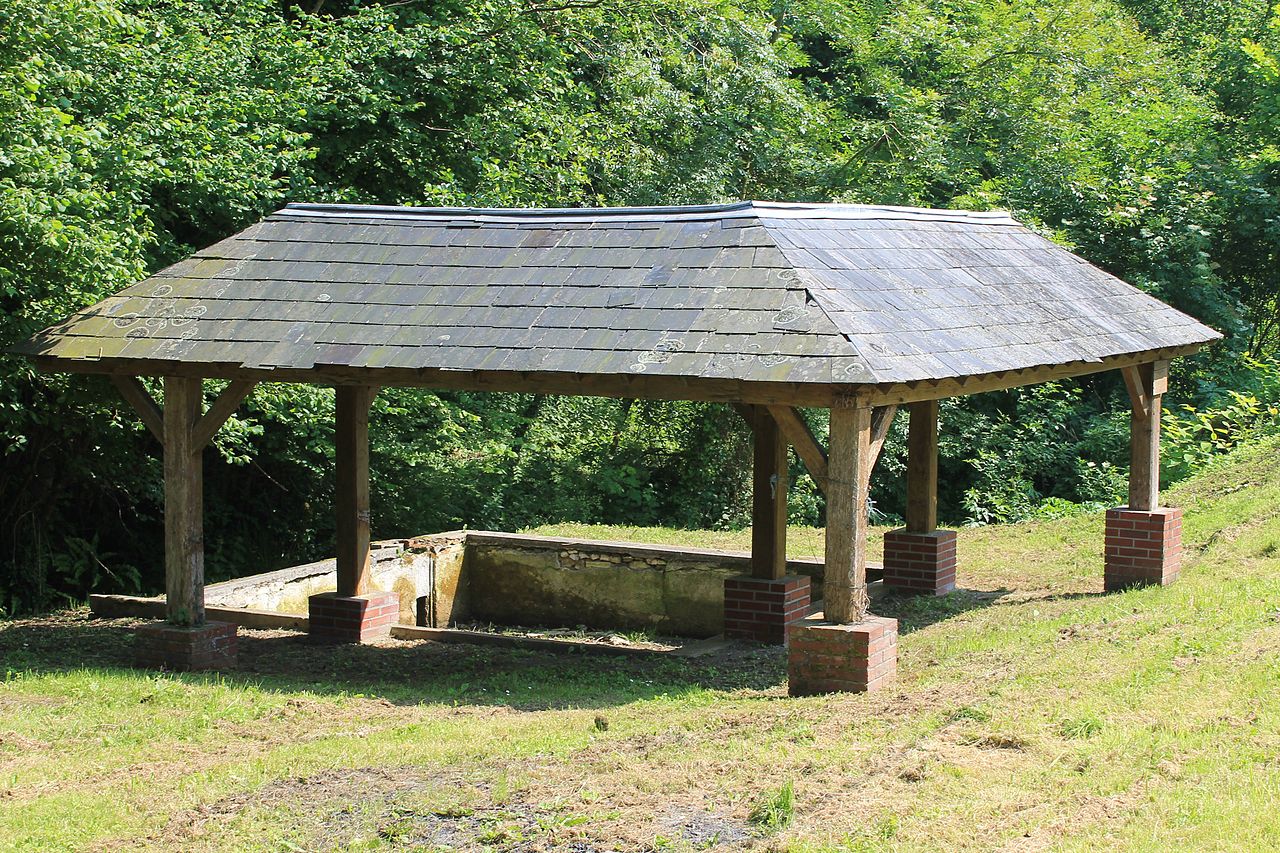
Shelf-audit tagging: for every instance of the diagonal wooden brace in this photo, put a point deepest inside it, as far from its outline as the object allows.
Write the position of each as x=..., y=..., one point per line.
x=223, y=407
x=143, y=403
x=204, y=429
x=798, y=435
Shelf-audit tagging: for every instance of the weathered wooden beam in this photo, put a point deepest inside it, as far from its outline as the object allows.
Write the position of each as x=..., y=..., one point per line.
x=922, y=467
x=881, y=420
x=768, y=498
x=808, y=448
x=640, y=386
x=136, y=395
x=228, y=401
x=183, y=503
x=351, y=445
x=1147, y=384
x=900, y=393
x=845, y=572
x=747, y=412
x=649, y=387
x=1133, y=383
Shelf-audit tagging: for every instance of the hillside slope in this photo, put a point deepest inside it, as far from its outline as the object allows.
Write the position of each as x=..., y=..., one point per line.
x=1032, y=712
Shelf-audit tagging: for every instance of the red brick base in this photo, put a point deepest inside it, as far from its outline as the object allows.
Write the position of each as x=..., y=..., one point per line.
x=161, y=645
x=920, y=563
x=760, y=608
x=823, y=657
x=333, y=618
x=1143, y=547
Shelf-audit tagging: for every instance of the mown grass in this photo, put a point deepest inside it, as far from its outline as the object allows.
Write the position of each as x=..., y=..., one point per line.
x=1032, y=712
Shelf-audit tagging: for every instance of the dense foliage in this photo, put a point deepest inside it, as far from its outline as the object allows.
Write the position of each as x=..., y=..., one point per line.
x=1141, y=133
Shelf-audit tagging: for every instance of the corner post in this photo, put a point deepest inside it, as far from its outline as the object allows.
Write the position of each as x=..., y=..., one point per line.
x=184, y=641
x=922, y=467
x=351, y=446
x=183, y=503
x=760, y=606
x=848, y=650
x=1143, y=541
x=845, y=571
x=355, y=612
x=768, y=498
x=1144, y=433
x=919, y=558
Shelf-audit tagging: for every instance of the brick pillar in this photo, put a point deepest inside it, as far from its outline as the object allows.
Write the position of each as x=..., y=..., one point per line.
x=162, y=645
x=1143, y=547
x=334, y=618
x=920, y=563
x=760, y=609
x=825, y=657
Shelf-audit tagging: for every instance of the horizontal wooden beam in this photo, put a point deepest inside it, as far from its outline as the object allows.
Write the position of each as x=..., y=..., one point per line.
x=223, y=407
x=137, y=396
x=641, y=386
x=937, y=389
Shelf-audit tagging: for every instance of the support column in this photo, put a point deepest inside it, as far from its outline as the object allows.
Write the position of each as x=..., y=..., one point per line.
x=849, y=649
x=769, y=475
x=354, y=612
x=351, y=451
x=185, y=640
x=919, y=558
x=761, y=606
x=183, y=503
x=1143, y=540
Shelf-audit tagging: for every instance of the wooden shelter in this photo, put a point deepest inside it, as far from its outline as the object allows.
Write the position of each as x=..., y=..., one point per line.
x=766, y=306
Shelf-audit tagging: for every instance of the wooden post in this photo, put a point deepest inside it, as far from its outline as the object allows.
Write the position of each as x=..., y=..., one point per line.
x=183, y=503
x=1146, y=384
x=768, y=497
x=845, y=573
x=922, y=468
x=351, y=444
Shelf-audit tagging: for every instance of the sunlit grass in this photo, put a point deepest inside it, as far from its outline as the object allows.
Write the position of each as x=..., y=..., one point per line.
x=1032, y=711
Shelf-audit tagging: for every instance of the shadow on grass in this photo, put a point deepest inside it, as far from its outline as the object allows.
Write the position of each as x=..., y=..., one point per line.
x=411, y=673
x=407, y=673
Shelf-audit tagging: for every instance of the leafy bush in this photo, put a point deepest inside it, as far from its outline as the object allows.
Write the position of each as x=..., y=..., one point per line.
x=1191, y=436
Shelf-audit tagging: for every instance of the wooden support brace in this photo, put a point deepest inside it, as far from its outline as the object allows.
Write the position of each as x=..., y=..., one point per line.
x=845, y=581
x=228, y=401
x=798, y=435
x=143, y=403
x=351, y=445
x=881, y=420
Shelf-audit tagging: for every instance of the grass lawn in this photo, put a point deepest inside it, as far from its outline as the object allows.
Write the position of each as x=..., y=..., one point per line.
x=1032, y=712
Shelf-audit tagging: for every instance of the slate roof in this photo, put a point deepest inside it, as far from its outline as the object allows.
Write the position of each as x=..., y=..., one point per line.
x=751, y=291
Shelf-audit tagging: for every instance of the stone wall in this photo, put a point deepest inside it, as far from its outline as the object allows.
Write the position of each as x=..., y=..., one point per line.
x=518, y=579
